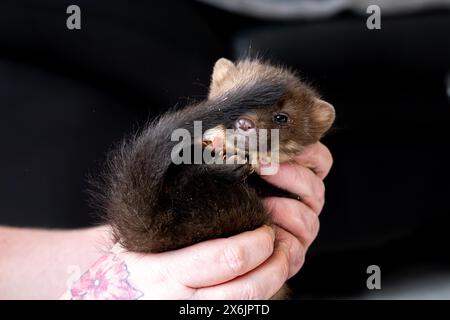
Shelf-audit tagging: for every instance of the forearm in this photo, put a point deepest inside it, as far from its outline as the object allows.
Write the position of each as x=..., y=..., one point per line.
x=37, y=264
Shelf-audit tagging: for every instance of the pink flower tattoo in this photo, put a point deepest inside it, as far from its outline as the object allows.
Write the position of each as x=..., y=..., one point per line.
x=107, y=279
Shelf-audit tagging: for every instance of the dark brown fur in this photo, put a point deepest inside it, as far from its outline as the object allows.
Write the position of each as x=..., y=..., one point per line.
x=154, y=205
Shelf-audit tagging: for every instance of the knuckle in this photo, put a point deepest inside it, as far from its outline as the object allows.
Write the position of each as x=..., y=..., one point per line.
x=320, y=192
x=298, y=260
x=321, y=189
x=297, y=256
x=324, y=160
x=330, y=161
x=314, y=225
x=308, y=240
x=328, y=157
x=235, y=259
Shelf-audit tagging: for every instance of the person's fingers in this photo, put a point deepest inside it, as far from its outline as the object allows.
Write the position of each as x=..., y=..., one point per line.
x=302, y=182
x=316, y=157
x=261, y=283
x=296, y=249
x=298, y=227
x=220, y=260
x=294, y=217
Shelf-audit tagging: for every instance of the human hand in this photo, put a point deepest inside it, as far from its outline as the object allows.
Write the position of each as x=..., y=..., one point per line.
x=298, y=221
x=245, y=266
x=250, y=265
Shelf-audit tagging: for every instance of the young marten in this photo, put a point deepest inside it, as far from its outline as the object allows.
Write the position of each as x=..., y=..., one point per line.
x=155, y=205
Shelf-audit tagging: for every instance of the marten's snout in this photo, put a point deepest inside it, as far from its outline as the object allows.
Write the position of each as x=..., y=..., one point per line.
x=244, y=124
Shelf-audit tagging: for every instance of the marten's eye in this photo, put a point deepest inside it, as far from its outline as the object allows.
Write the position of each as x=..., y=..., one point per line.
x=280, y=118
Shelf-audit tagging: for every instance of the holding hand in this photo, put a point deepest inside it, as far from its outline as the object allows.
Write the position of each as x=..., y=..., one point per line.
x=251, y=265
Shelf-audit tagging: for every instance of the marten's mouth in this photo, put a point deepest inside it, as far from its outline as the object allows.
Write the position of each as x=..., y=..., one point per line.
x=242, y=144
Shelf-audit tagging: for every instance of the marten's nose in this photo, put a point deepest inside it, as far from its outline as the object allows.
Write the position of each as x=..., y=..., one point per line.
x=244, y=124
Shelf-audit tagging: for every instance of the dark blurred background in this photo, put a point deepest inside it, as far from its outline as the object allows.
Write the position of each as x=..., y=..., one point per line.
x=67, y=96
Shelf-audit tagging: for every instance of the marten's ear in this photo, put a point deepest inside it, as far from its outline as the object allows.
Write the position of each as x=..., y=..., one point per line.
x=322, y=118
x=221, y=72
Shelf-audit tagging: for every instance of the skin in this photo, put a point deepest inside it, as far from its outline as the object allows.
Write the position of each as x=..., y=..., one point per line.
x=251, y=265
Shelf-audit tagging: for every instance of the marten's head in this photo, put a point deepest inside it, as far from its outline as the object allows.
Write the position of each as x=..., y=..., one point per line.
x=300, y=115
